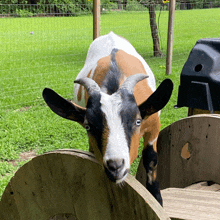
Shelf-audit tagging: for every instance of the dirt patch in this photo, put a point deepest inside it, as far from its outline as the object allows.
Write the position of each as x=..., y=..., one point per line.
x=23, y=109
x=23, y=157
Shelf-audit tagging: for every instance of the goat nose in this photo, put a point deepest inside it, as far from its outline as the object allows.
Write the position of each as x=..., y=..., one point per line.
x=116, y=164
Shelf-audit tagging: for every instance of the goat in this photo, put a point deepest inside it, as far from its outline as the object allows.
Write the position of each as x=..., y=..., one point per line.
x=117, y=106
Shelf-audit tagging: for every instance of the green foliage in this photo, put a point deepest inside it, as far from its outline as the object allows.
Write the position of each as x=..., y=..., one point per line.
x=107, y=5
x=6, y=168
x=23, y=13
x=54, y=55
x=135, y=6
x=197, y=4
x=23, y=8
x=29, y=8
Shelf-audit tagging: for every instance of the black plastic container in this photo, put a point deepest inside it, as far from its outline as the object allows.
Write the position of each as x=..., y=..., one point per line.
x=200, y=77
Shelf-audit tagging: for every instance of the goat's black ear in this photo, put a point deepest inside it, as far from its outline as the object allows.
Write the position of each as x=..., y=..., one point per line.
x=63, y=107
x=158, y=99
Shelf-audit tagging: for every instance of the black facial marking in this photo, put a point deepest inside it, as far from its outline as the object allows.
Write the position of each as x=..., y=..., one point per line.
x=129, y=114
x=111, y=82
x=96, y=119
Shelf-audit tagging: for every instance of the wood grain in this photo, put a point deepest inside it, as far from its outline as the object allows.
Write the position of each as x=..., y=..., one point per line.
x=191, y=204
x=204, y=186
x=196, y=111
x=202, y=132
x=199, y=200
x=71, y=184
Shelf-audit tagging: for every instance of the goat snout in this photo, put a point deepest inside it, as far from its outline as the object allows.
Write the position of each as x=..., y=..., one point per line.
x=115, y=170
x=115, y=165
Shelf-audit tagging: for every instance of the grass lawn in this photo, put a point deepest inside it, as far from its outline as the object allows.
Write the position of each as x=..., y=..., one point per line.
x=52, y=57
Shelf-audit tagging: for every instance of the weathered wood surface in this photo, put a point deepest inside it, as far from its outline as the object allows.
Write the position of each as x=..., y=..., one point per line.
x=205, y=186
x=196, y=111
x=170, y=35
x=191, y=204
x=96, y=19
x=202, y=134
x=71, y=184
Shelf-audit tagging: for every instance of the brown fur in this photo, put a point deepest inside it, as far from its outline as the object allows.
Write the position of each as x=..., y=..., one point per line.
x=133, y=148
x=150, y=132
x=105, y=136
x=130, y=65
x=93, y=148
x=150, y=127
x=102, y=69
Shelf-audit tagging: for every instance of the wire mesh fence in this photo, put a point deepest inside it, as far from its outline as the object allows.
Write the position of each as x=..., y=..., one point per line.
x=192, y=25
x=39, y=52
x=46, y=46
x=38, y=10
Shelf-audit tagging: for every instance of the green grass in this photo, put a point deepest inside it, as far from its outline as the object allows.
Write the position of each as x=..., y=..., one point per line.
x=54, y=55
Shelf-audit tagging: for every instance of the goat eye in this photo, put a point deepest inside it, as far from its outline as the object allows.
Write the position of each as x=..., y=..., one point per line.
x=138, y=122
x=87, y=127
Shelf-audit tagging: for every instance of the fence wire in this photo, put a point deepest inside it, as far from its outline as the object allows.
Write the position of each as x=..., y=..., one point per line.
x=46, y=45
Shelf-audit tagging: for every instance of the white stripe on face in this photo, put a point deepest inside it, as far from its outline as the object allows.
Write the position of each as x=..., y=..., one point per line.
x=117, y=145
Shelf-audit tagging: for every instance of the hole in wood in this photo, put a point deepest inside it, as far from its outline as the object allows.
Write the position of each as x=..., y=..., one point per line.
x=186, y=149
x=63, y=217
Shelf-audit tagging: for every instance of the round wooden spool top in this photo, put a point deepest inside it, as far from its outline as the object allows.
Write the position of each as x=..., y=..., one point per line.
x=71, y=184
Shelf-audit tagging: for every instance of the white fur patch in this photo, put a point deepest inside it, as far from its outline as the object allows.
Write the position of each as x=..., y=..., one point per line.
x=150, y=177
x=151, y=142
x=102, y=47
x=117, y=145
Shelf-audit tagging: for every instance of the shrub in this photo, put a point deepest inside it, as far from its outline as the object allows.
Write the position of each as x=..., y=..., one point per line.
x=28, y=8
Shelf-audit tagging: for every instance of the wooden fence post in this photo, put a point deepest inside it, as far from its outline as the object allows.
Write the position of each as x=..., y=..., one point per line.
x=170, y=37
x=96, y=19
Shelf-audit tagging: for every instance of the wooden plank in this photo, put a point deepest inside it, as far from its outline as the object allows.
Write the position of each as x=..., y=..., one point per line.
x=96, y=19
x=10, y=205
x=63, y=217
x=191, y=204
x=197, y=186
x=196, y=111
x=214, y=188
x=202, y=132
x=172, y=5
x=204, y=186
x=72, y=183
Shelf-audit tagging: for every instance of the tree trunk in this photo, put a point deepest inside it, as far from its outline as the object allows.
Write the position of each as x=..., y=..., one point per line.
x=154, y=31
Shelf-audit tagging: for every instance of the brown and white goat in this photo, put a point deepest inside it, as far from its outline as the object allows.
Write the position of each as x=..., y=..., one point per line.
x=116, y=101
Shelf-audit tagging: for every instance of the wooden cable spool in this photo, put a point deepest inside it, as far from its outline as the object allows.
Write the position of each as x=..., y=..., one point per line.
x=71, y=184
x=188, y=153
